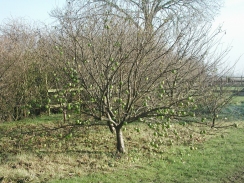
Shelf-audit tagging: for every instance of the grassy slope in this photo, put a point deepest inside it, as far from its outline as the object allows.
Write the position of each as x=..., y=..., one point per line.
x=217, y=160
x=88, y=156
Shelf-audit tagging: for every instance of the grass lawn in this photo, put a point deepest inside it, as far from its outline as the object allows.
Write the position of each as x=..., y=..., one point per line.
x=220, y=159
x=32, y=151
x=238, y=100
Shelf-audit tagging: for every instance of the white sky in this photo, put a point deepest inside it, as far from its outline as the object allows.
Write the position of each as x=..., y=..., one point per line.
x=231, y=16
x=30, y=10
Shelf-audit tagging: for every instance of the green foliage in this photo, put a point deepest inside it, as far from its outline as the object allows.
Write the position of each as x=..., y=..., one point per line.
x=67, y=93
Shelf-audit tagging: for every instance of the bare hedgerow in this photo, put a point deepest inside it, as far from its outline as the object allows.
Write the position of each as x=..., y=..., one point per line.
x=23, y=73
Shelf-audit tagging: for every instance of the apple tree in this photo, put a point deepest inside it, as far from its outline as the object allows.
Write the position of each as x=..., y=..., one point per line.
x=218, y=97
x=143, y=63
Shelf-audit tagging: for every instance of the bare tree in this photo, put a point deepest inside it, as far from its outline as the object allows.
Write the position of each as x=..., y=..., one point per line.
x=128, y=70
x=221, y=94
x=149, y=15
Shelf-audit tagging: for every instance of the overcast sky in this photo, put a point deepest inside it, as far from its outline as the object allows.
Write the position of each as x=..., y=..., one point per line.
x=231, y=16
x=36, y=10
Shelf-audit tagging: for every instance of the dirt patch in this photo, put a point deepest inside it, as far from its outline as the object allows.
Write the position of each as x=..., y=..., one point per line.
x=238, y=177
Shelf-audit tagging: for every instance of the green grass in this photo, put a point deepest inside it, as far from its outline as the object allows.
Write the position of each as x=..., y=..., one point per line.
x=31, y=151
x=235, y=110
x=237, y=100
x=216, y=160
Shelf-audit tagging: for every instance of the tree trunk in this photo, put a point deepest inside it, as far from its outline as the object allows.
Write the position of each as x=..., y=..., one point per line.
x=120, y=140
x=111, y=127
x=64, y=115
x=213, y=122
